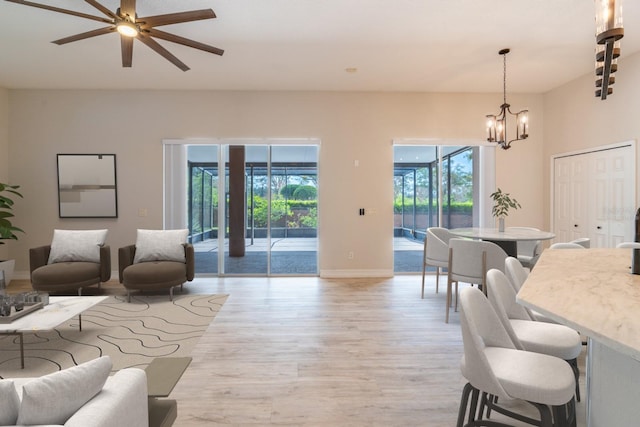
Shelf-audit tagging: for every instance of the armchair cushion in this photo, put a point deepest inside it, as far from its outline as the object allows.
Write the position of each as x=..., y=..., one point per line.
x=160, y=245
x=9, y=404
x=67, y=275
x=76, y=245
x=54, y=398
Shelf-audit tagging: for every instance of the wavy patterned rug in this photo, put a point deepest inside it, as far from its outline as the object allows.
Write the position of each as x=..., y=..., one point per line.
x=131, y=333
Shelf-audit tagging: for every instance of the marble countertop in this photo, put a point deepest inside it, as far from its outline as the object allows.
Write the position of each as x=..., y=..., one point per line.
x=59, y=310
x=590, y=290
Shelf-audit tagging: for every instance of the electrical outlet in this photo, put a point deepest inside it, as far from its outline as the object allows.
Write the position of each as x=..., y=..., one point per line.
x=350, y=255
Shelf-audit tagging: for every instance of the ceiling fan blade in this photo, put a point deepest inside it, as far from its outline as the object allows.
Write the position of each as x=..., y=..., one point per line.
x=175, y=18
x=162, y=51
x=183, y=41
x=82, y=36
x=65, y=11
x=102, y=9
x=126, y=44
x=128, y=7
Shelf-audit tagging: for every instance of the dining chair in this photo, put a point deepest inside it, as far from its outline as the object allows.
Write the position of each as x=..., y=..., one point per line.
x=566, y=245
x=583, y=241
x=469, y=261
x=493, y=366
x=517, y=274
x=528, y=250
x=629, y=245
x=436, y=252
x=527, y=333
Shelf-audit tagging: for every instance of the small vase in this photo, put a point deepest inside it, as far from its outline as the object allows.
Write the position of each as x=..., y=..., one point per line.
x=501, y=225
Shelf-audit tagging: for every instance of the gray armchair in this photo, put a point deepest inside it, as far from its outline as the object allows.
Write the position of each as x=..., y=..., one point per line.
x=154, y=275
x=68, y=275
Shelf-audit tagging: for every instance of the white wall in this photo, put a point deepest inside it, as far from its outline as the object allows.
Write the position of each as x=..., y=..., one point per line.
x=575, y=119
x=352, y=126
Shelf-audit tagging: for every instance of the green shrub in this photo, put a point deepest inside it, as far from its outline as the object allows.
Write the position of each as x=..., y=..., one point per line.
x=288, y=190
x=305, y=192
x=423, y=207
x=311, y=219
x=281, y=209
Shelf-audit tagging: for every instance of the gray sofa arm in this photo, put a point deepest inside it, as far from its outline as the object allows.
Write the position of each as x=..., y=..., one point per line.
x=190, y=260
x=38, y=257
x=123, y=402
x=125, y=259
x=105, y=263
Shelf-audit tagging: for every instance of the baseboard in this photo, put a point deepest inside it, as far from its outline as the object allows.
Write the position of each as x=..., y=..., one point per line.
x=24, y=275
x=325, y=274
x=339, y=274
x=21, y=275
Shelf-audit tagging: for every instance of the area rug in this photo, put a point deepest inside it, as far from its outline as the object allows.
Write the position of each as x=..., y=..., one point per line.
x=132, y=334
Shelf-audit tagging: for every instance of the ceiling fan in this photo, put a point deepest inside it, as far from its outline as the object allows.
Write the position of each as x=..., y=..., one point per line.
x=126, y=22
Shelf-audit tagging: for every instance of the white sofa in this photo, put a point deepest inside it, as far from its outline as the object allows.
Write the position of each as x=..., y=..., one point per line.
x=120, y=400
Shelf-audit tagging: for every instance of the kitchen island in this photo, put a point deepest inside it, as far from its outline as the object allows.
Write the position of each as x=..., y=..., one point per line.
x=594, y=292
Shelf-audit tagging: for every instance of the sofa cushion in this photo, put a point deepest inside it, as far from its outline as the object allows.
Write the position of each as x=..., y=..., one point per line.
x=54, y=398
x=155, y=275
x=66, y=273
x=9, y=403
x=160, y=245
x=76, y=245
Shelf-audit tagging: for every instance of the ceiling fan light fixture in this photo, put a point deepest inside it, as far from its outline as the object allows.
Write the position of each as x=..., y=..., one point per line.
x=126, y=22
x=127, y=28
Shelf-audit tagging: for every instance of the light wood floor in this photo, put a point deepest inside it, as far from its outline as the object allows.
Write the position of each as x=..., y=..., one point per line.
x=315, y=352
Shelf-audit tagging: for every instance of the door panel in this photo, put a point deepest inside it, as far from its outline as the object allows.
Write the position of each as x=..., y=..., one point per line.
x=594, y=196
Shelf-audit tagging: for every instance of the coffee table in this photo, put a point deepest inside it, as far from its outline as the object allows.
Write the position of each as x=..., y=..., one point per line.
x=163, y=373
x=58, y=311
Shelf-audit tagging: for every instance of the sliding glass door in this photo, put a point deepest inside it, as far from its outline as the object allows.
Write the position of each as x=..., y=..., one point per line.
x=433, y=186
x=294, y=210
x=265, y=201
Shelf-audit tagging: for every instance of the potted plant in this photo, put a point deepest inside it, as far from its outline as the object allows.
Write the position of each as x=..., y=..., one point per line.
x=502, y=203
x=7, y=229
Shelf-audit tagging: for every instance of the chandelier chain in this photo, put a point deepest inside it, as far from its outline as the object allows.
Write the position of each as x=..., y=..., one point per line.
x=504, y=79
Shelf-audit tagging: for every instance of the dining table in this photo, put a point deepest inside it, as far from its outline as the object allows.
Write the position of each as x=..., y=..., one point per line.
x=507, y=239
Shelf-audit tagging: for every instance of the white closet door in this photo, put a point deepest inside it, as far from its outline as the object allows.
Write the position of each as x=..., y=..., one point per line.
x=570, y=201
x=613, y=209
x=594, y=195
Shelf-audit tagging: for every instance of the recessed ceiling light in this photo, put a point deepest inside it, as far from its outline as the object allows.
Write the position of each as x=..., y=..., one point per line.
x=351, y=70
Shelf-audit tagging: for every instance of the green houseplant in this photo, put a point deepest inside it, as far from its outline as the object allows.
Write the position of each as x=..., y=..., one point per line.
x=502, y=204
x=7, y=229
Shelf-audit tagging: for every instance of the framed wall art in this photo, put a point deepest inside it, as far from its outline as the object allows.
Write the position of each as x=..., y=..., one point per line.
x=87, y=186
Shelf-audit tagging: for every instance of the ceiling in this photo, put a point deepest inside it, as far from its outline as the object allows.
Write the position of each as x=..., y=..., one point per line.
x=395, y=45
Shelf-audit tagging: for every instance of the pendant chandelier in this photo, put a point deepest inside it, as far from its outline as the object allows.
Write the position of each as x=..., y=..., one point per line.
x=609, y=31
x=497, y=124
